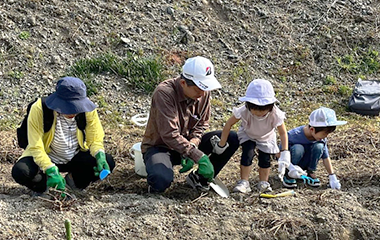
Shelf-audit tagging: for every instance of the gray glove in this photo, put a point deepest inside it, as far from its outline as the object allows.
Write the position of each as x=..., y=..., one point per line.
x=215, y=144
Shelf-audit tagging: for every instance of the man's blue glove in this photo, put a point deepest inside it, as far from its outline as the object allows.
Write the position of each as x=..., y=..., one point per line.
x=187, y=164
x=205, y=168
x=101, y=163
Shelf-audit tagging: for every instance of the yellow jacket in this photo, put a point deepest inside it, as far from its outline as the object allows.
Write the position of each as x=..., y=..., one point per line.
x=39, y=142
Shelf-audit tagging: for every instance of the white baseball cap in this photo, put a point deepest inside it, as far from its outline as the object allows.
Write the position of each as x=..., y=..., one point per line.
x=259, y=92
x=324, y=117
x=200, y=70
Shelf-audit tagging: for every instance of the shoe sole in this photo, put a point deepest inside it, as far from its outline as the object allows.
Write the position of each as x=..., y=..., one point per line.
x=267, y=190
x=289, y=185
x=314, y=185
x=198, y=188
x=239, y=191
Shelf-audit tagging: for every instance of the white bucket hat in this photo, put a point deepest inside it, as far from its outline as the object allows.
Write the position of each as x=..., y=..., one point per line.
x=324, y=117
x=259, y=92
x=200, y=70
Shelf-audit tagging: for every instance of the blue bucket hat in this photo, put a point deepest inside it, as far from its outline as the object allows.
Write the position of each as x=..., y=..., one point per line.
x=70, y=97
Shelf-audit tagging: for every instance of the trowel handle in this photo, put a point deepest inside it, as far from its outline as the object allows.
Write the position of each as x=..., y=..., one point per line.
x=284, y=194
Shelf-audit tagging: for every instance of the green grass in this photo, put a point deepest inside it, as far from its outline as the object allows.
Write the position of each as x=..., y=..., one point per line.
x=360, y=62
x=141, y=72
x=24, y=35
x=329, y=80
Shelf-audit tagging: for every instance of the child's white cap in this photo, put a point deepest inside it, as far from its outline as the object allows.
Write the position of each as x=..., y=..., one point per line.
x=324, y=117
x=259, y=92
x=200, y=70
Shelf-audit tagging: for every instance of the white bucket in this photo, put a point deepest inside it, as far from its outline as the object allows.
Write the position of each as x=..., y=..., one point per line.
x=135, y=152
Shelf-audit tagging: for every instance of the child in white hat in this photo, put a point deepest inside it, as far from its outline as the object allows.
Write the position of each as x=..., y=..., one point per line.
x=308, y=144
x=260, y=117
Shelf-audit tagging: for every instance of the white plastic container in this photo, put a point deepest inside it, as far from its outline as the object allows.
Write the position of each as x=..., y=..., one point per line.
x=135, y=152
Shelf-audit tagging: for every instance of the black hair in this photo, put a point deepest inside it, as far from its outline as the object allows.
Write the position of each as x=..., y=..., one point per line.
x=328, y=129
x=252, y=106
x=188, y=81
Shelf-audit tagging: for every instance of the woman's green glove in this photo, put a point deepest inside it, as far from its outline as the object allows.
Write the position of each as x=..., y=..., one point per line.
x=187, y=164
x=101, y=163
x=54, y=178
x=205, y=168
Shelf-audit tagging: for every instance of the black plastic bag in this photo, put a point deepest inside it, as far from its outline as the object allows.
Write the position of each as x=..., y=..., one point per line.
x=365, y=98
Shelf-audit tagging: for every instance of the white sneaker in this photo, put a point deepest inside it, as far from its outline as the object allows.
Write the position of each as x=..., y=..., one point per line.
x=242, y=186
x=264, y=186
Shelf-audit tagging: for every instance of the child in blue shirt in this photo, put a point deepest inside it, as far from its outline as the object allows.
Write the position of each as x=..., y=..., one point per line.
x=308, y=144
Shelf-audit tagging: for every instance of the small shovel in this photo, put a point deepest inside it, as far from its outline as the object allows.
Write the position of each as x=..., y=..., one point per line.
x=284, y=194
x=220, y=188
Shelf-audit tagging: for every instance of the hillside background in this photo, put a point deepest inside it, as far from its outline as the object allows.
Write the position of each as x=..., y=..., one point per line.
x=313, y=52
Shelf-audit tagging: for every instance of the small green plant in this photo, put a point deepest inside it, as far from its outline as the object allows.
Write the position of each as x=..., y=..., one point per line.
x=370, y=62
x=68, y=229
x=330, y=89
x=329, y=80
x=241, y=72
x=92, y=86
x=142, y=72
x=24, y=35
x=345, y=91
x=360, y=62
x=101, y=102
x=348, y=63
x=16, y=74
x=217, y=102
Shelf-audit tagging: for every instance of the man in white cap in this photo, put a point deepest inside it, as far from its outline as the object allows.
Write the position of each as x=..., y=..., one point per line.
x=308, y=144
x=179, y=115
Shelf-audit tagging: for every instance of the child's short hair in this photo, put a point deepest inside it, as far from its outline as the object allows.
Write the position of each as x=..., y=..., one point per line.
x=252, y=106
x=328, y=129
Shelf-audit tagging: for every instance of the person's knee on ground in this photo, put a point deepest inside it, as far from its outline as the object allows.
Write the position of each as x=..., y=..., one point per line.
x=161, y=178
x=25, y=173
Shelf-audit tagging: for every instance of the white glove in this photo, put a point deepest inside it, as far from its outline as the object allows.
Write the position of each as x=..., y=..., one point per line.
x=215, y=144
x=284, y=158
x=334, y=182
x=283, y=163
x=296, y=171
x=281, y=170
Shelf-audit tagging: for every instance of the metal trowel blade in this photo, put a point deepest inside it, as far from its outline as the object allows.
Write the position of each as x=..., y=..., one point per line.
x=220, y=188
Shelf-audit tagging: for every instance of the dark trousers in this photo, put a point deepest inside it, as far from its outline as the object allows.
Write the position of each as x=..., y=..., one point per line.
x=159, y=161
x=27, y=173
x=248, y=152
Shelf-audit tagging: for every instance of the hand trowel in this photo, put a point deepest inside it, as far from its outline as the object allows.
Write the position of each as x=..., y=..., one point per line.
x=220, y=188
